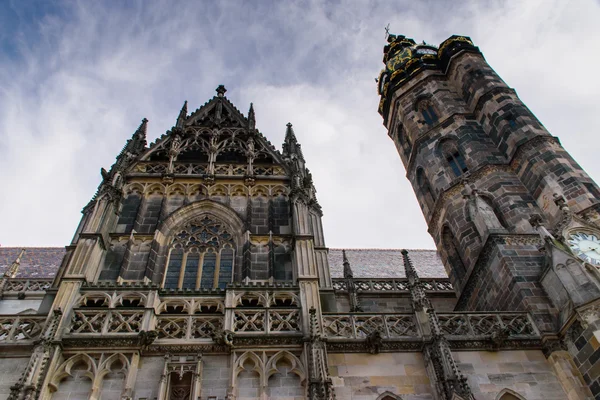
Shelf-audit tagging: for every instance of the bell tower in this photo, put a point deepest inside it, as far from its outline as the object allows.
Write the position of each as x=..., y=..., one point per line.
x=486, y=172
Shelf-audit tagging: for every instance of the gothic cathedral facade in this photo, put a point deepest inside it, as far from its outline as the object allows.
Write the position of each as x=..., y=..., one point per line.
x=200, y=271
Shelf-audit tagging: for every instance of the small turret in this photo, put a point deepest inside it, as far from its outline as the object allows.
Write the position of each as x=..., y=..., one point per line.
x=347, y=269
x=251, y=118
x=291, y=147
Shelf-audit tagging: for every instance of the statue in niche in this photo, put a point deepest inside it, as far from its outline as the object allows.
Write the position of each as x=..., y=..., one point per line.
x=250, y=154
x=174, y=151
x=481, y=212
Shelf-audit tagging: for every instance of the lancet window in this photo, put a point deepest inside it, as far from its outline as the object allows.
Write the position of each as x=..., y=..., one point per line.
x=454, y=157
x=427, y=110
x=202, y=256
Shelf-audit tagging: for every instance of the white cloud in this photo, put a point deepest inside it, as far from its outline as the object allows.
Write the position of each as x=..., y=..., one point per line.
x=86, y=76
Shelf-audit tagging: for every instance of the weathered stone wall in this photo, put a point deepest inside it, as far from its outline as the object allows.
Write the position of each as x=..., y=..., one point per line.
x=216, y=373
x=10, y=371
x=148, y=376
x=527, y=372
x=360, y=376
x=584, y=346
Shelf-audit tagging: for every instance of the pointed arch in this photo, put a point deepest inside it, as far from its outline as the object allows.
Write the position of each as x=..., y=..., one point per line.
x=66, y=369
x=199, y=244
x=107, y=366
x=296, y=366
x=428, y=111
x=509, y=394
x=449, y=150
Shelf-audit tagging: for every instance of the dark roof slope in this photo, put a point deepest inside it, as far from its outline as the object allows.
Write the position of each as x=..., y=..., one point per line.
x=37, y=262
x=386, y=263
x=43, y=262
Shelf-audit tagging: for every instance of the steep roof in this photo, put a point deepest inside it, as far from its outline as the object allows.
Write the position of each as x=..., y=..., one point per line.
x=36, y=262
x=43, y=262
x=386, y=263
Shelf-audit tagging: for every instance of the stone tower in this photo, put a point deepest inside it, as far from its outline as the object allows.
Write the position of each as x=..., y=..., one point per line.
x=514, y=217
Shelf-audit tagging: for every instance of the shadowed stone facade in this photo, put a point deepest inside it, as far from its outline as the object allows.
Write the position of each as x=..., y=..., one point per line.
x=200, y=271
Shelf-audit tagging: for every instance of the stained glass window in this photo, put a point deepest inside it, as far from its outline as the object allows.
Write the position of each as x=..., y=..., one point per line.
x=174, y=268
x=206, y=250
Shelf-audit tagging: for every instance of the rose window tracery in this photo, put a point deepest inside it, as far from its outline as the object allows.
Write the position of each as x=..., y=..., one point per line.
x=202, y=256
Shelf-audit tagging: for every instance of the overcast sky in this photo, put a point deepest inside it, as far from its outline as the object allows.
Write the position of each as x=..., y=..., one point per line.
x=76, y=78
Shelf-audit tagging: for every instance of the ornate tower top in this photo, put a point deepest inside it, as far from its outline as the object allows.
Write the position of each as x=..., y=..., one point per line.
x=404, y=58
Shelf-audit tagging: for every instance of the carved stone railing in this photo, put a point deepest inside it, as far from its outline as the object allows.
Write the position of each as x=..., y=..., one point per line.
x=25, y=287
x=188, y=327
x=106, y=322
x=202, y=169
x=20, y=328
x=391, y=284
x=463, y=325
x=265, y=321
x=455, y=326
x=359, y=326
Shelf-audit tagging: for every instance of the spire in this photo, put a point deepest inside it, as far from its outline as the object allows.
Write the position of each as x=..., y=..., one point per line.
x=409, y=269
x=251, y=118
x=291, y=145
x=182, y=115
x=132, y=148
x=138, y=141
x=14, y=268
x=347, y=270
x=417, y=292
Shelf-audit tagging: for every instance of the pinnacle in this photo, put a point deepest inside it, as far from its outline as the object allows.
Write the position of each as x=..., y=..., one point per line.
x=221, y=90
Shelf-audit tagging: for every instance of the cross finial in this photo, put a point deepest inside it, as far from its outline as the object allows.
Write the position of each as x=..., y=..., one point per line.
x=387, y=31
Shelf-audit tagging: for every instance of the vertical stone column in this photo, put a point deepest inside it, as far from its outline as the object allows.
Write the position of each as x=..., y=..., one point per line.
x=197, y=380
x=320, y=386
x=304, y=262
x=447, y=379
x=352, y=294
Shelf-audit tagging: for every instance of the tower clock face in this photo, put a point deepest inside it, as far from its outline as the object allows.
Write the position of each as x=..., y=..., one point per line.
x=586, y=246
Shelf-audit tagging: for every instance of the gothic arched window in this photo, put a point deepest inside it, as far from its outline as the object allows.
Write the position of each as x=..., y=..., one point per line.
x=424, y=187
x=202, y=256
x=453, y=156
x=427, y=110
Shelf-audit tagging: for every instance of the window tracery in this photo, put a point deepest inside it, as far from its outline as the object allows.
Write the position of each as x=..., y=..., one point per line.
x=454, y=158
x=202, y=256
x=428, y=112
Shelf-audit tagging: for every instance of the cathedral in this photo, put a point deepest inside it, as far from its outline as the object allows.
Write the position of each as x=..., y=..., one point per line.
x=200, y=271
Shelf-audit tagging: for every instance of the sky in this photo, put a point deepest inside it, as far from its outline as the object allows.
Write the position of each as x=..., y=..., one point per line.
x=77, y=77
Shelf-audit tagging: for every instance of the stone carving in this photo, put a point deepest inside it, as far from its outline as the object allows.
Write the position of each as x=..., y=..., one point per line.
x=481, y=211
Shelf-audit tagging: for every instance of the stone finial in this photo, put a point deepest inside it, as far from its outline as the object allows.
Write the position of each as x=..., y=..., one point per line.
x=221, y=91
x=182, y=115
x=290, y=144
x=14, y=268
x=251, y=118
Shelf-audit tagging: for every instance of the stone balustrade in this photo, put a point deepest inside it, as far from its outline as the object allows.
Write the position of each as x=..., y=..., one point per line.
x=391, y=284
x=20, y=328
